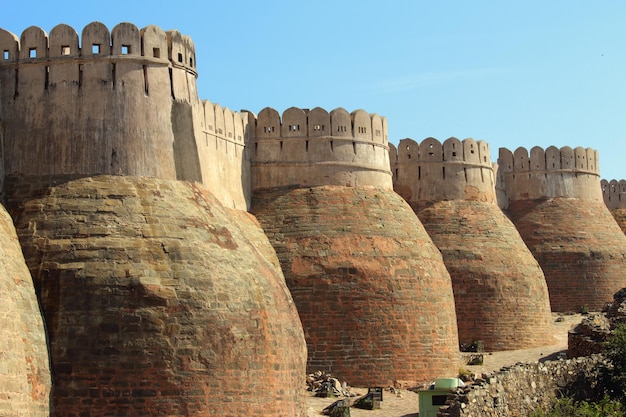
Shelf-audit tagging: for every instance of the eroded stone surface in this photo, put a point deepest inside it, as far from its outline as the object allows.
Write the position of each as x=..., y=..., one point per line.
x=24, y=370
x=158, y=301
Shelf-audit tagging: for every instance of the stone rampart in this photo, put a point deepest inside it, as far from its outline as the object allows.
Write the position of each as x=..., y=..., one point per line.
x=500, y=292
x=105, y=107
x=435, y=171
x=614, y=193
x=554, y=198
x=314, y=147
x=564, y=172
x=157, y=300
x=523, y=388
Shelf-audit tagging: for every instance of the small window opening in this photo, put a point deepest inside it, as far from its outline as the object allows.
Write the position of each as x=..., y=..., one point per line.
x=378, y=132
x=80, y=75
x=220, y=131
x=307, y=146
x=95, y=49
x=6, y=55
x=354, y=147
x=180, y=58
x=47, y=78
x=294, y=128
x=191, y=62
x=443, y=172
x=408, y=156
x=281, y=145
x=332, y=148
x=256, y=147
x=65, y=50
x=32, y=52
x=230, y=134
x=453, y=153
x=125, y=49
x=156, y=52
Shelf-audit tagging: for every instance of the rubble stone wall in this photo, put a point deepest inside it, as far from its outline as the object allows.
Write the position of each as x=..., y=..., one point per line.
x=523, y=388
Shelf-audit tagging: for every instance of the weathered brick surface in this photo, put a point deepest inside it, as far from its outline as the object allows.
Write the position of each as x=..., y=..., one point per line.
x=579, y=246
x=371, y=289
x=500, y=292
x=620, y=217
x=158, y=301
x=24, y=371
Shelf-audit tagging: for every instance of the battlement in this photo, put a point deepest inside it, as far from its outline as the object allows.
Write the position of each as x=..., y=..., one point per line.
x=150, y=45
x=614, y=193
x=315, y=147
x=564, y=172
x=101, y=104
x=435, y=171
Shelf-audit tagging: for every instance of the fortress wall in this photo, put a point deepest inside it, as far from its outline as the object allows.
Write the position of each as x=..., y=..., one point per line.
x=103, y=105
x=314, y=147
x=500, y=293
x=452, y=170
x=554, y=198
x=223, y=154
x=614, y=193
x=564, y=172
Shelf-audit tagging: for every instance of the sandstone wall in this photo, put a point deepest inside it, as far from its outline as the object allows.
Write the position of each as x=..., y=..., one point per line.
x=157, y=300
x=371, y=289
x=435, y=171
x=614, y=193
x=314, y=147
x=24, y=369
x=564, y=172
x=500, y=293
x=118, y=102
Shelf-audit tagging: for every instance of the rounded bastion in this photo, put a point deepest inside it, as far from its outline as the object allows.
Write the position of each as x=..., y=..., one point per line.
x=371, y=289
x=500, y=293
x=554, y=198
x=157, y=300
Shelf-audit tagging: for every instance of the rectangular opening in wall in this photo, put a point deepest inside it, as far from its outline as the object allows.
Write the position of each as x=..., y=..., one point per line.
x=307, y=146
x=332, y=148
x=354, y=147
x=32, y=53
x=171, y=84
x=156, y=52
x=419, y=172
x=6, y=55
x=17, y=79
x=65, y=50
x=80, y=75
x=46, y=78
x=180, y=57
x=95, y=49
x=443, y=172
x=125, y=49
x=191, y=62
x=145, y=79
x=281, y=145
x=113, y=76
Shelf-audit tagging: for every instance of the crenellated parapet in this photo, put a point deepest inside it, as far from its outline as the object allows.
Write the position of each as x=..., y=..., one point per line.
x=564, y=172
x=314, y=147
x=614, y=193
x=435, y=171
x=223, y=153
x=94, y=104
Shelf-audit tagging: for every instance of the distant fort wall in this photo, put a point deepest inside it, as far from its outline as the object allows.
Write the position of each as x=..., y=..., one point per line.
x=435, y=171
x=315, y=147
x=614, y=193
x=564, y=172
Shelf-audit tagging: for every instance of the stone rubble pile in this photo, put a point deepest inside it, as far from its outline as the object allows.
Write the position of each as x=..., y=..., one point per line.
x=324, y=384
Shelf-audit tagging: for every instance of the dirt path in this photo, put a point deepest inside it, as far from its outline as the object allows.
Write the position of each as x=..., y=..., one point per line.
x=406, y=404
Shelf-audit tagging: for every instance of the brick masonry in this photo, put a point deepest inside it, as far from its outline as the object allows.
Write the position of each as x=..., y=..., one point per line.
x=157, y=300
x=579, y=246
x=500, y=292
x=371, y=289
x=24, y=369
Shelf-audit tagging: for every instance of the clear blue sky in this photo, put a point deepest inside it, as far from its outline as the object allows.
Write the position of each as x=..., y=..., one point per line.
x=512, y=73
